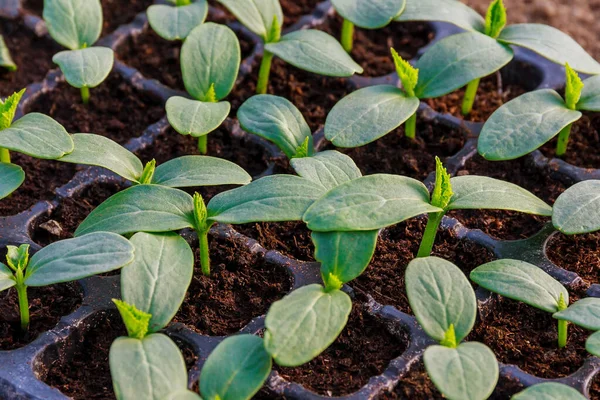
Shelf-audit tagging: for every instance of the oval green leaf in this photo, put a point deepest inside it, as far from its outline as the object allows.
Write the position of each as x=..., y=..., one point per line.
x=524, y=124
x=11, y=177
x=592, y=344
x=256, y=15
x=368, y=114
x=304, y=323
x=451, y=11
x=590, y=95
x=73, y=23
x=369, y=203
x=549, y=391
x=315, y=51
x=143, y=208
x=584, y=313
x=277, y=120
x=7, y=279
x=196, y=118
x=210, y=56
x=190, y=171
x=236, y=369
x=86, y=67
x=185, y=395
x=176, y=23
x=468, y=372
x=78, y=258
x=577, y=210
x=328, y=168
x=372, y=14
x=519, y=280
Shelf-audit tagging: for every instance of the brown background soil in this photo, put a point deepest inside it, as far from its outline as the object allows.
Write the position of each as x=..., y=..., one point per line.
x=579, y=253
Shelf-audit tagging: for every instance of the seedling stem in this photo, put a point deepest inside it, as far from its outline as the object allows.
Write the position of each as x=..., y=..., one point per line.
x=23, y=302
x=430, y=234
x=203, y=144
x=4, y=155
x=563, y=325
x=563, y=140
x=202, y=228
x=410, y=129
x=85, y=95
x=470, y=94
x=263, y=74
x=347, y=35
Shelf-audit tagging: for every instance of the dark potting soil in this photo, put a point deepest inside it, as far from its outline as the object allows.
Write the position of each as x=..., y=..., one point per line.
x=42, y=177
x=295, y=9
x=489, y=99
x=291, y=239
x=509, y=225
x=32, y=54
x=595, y=388
x=64, y=220
x=372, y=47
x=524, y=336
x=241, y=287
x=314, y=95
x=364, y=349
x=396, y=154
x=47, y=305
x=577, y=253
x=584, y=143
x=116, y=110
x=396, y=247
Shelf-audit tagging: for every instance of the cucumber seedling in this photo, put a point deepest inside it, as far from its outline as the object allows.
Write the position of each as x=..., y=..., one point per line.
x=76, y=25
x=445, y=306
x=63, y=261
x=526, y=123
x=176, y=21
x=577, y=209
x=310, y=50
x=6, y=60
x=549, y=390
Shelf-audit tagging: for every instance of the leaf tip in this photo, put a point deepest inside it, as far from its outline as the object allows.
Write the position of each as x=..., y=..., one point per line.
x=137, y=322
x=495, y=19
x=409, y=75
x=442, y=191
x=574, y=87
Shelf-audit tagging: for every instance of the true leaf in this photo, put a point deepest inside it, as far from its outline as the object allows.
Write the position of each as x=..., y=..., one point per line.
x=210, y=57
x=256, y=15
x=590, y=95
x=577, y=210
x=573, y=88
x=7, y=279
x=369, y=203
x=277, y=120
x=469, y=371
x=157, y=280
x=369, y=14
x=549, y=391
x=592, y=344
x=315, y=51
x=368, y=114
x=136, y=321
x=236, y=369
x=143, y=208
x=495, y=19
x=196, y=118
x=328, y=168
x=585, y=313
x=524, y=124
x=304, y=323
x=11, y=177
x=86, y=67
x=74, y=23
x=451, y=11
x=190, y=171
x=6, y=60
x=457, y=60
x=100, y=151
x=78, y=258
x=37, y=135
x=519, y=280
x=176, y=23
x=409, y=75
x=8, y=108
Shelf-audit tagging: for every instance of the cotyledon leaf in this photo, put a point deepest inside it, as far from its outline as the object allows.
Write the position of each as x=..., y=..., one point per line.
x=87, y=67
x=256, y=15
x=584, y=313
x=176, y=23
x=549, y=391
x=592, y=344
x=590, y=95
x=7, y=279
x=11, y=177
x=190, y=171
x=328, y=168
x=73, y=23
x=451, y=11
x=371, y=14
x=194, y=117
x=577, y=210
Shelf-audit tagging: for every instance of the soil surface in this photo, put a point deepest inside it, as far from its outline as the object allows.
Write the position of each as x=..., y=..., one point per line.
x=577, y=253
x=47, y=305
x=116, y=110
x=291, y=239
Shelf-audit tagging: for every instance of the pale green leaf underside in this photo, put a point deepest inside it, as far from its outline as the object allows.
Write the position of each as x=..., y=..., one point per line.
x=102, y=152
x=157, y=280
x=457, y=60
x=315, y=51
x=304, y=323
x=11, y=177
x=184, y=395
x=480, y=192
x=269, y=199
x=552, y=44
x=196, y=118
x=440, y=295
x=73, y=23
x=549, y=391
x=451, y=11
x=368, y=114
x=521, y=281
x=176, y=23
x=78, y=258
x=369, y=203
x=468, y=372
x=256, y=15
x=37, y=135
x=143, y=208
x=524, y=124
x=590, y=96
x=371, y=14
x=190, y=171
x=86, y=67
x=6, y=278
x=6, y=60
x=236, y=369
x=328, y=168
x=577, y=210
x=149, y=369
x=592, y=344
x=276, y=119
x=584, y=313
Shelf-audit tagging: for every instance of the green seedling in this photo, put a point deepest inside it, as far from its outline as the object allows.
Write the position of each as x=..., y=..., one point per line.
x=63, y=261
x=310, y=50
x=377, y=201
x=550, y=391
x=366, y=14
x=445, y=306
x=6, y=60
x=529, y=121
x=577, y=210
x=210, y=62
x=584, y=313
x=176, y=21
x=524, y=282
x=77, y=24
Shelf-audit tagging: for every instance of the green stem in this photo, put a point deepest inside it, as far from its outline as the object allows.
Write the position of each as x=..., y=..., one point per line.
x=263, y=74
x=410, y=128
x=4, y=155
x=347, y=35
x=203, y=144
x=85, y=95
x=180, y=3
x=23, y=302
x=563, y=327
x=563, y=141
x=433, y=223
x=470, y=95
x=204, y=252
